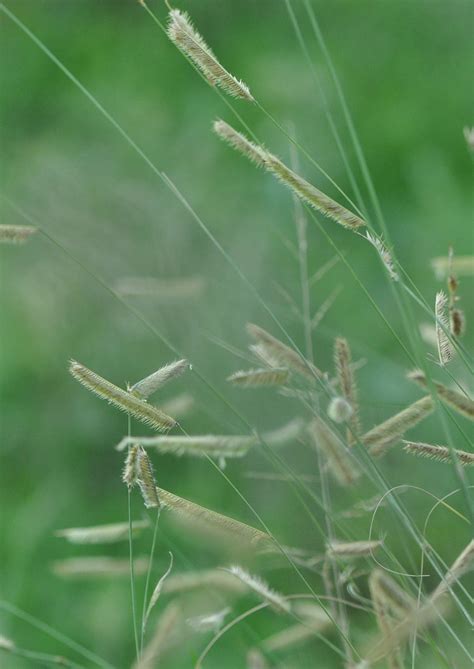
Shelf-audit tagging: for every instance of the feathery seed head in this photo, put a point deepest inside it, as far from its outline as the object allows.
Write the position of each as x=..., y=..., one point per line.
x=146, y=479
x=440, y=453
x=130, y=470
x=183, y=34
x=150, y=384
x=259, y=586
x=445, y=348
x=238, y=141
x=121, y=399
x=311, y=195
x=384, y=254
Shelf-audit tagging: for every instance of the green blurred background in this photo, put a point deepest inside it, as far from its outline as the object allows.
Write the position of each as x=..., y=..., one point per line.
x=405, y=67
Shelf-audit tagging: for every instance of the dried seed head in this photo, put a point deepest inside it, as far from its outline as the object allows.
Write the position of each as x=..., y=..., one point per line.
x=387, y=590
x=382, y=436
x=275, y=599
x=277, y=376
x=337, y=455
x=130, y=470
x=352, y=549
x=440, y=453
x=209, y=622
x=15, y=234
x=311, y=195
x=457, y=322
x=146, y=479
x=150, y=384
x=385, y=255
x=347, y=384
x=121, y=399
x=445, y=348
x=254, y=152
x=461, y=403
x=228, y=446
x=101, y=534
x=282, y=354
x=98, y=567
x=339, y=410
x=183, y=34
x=461, y=566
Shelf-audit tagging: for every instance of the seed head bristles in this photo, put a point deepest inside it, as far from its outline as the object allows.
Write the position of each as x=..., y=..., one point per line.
x=163, y=639
x=381, y=437
x=461, y=265
x=337, y=455
x=283, y=354
x=182, y=33
x=100, y=534
x=215, y=522
x=445, y=348
x=440, y=453
x=352, y=549
x=205, y=578
x=15, y=234
x=339, y=410
x=209, y=622
x=276, y=601
x=385, y=255
x=150, y=384
x=165, y=290
x=461, y=566
x=387, y=590
x=121, y=399
x=311, y=195
x=198, y=446
x=130, y=470
x=277, y=376
x=315, y=620
x=98, y=566
x=464, y=405
x=347, y=384
x=254, y=152
x=457, y=322
x=146, y=480
x=158, y=589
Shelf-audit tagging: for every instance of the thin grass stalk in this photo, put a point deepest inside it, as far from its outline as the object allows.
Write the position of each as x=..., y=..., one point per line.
x=148, y=576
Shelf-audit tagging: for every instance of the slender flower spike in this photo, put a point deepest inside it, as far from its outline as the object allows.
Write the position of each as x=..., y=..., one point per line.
x=311, y=195
x=277, y=376
x=274, y=599
x=130, y=470
x=457, y=401
x=439, y=453
x=150, y=384
x=256, y=154
x=146, y=480
x=385, y=256
x=121, y=399
x=183, y=34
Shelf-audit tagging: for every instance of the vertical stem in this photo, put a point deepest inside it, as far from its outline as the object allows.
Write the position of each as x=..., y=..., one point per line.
x=148, y=575
x=132, y=571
